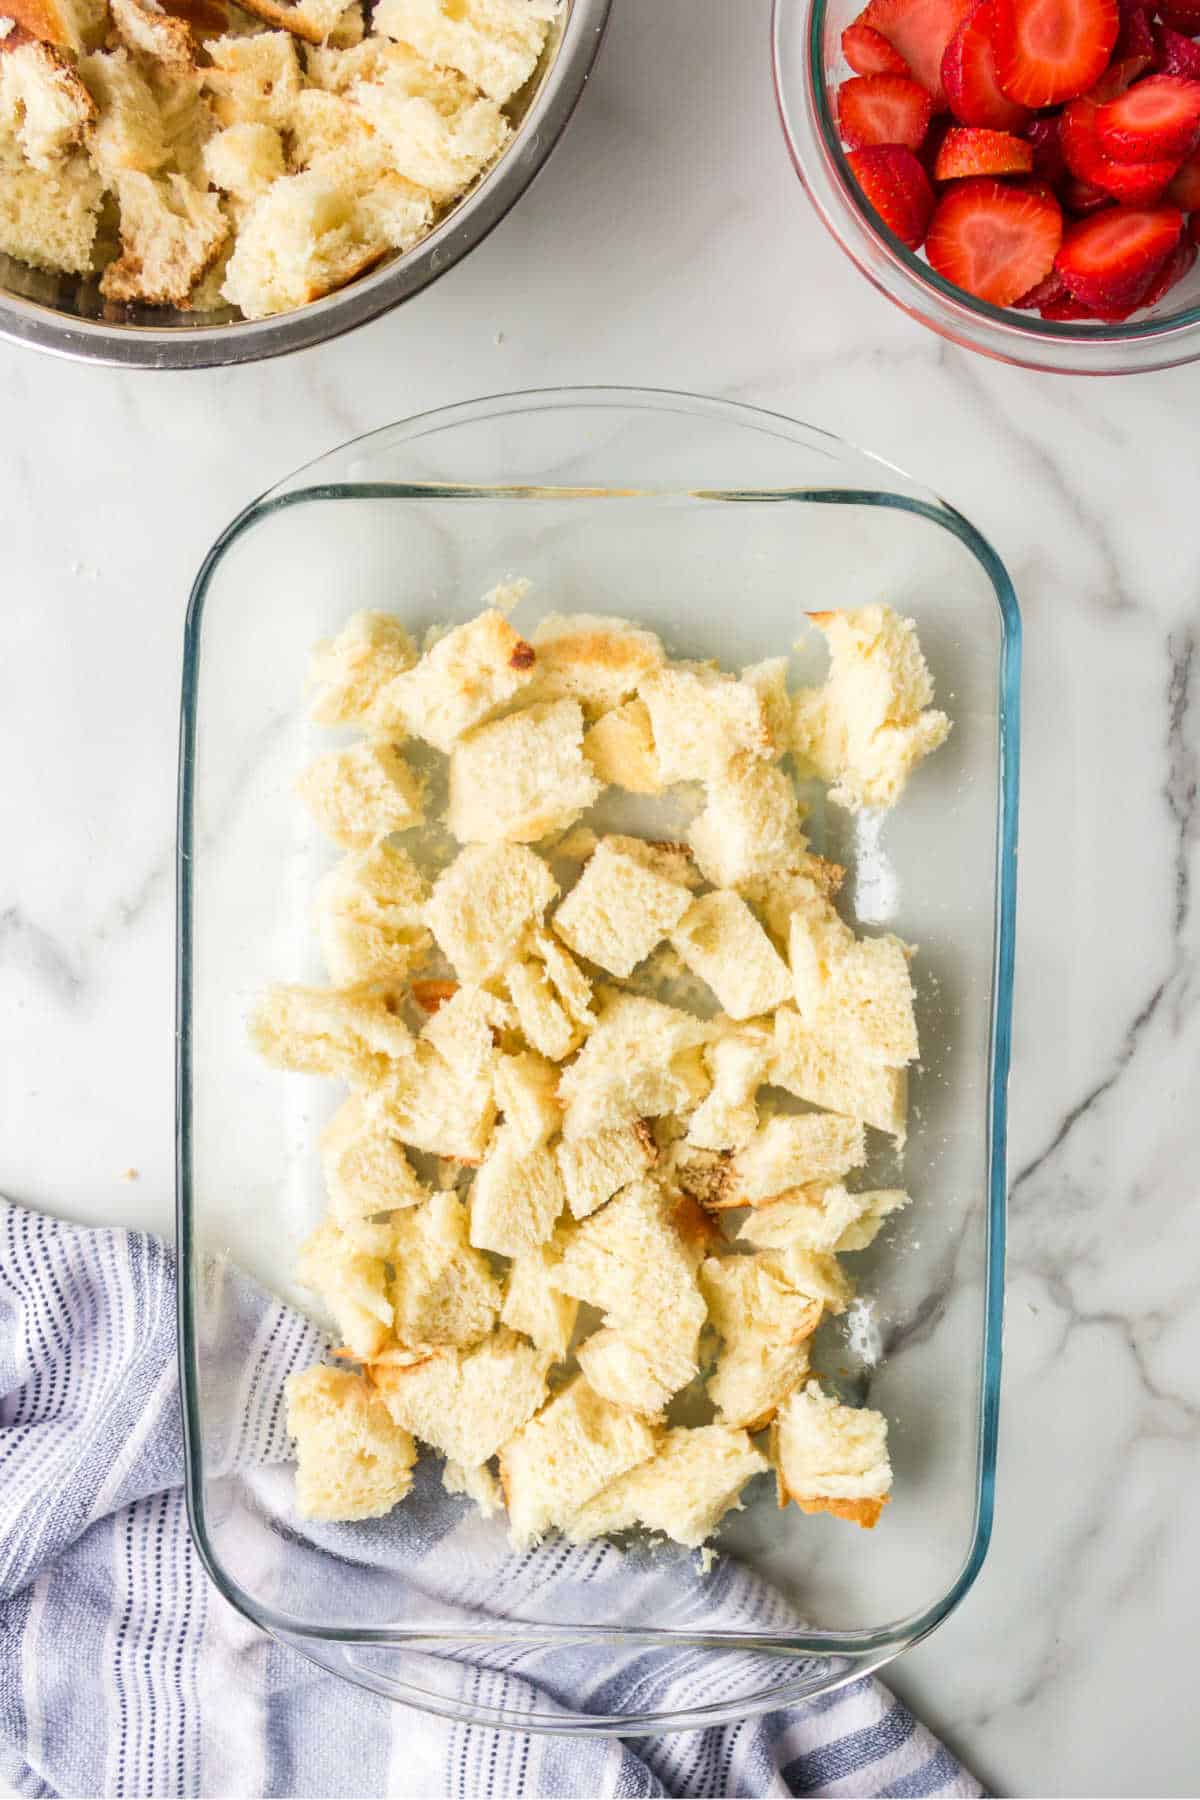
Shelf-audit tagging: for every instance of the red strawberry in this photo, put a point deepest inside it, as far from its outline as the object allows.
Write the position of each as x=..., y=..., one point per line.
x=1048, y=51
x=1157, y=120
x=1178, y=264
x=1183, y=189
x=1108, y=262
x=1045, y=292
x=1136, y=35
x=883, y=109
x=1137, y=184
x=1181, y=15
x=1065, y=308
x=968, y=152
x=919, y=30
x=992, y=240
x=935, y=137
x=1048, y=159
x=895, y=184
x=869, y=53
x=970, y=80
x=1081, y=198
x=1118, y=76
x=1177, y=55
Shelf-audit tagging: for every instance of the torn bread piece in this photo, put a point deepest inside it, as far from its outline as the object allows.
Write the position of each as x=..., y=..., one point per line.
x=838, y=1077
x=433, y=128
x=831, y=1458
x=313, y=20
x=822, y=1218
x=564, y=1456
x=464, y=1030
x=521, y=777
x=466, y=1403
x=526, y=1090
x=352, y=1460
x=76, y=25
x=243, y=160
x=596, y=660
x=253, y=79
x=352, y=1032
x=360, y=795
x=552, y=997
x=750, y=825
x=327, y=129
x=641, y=1059
x=483, y=905
x=764, y=1322
x=171, y=233
x=620, y=748
x=866, y=730
x=443, y=1290
x=720, y=940
x=44, y=103
x=480, y=1485
x=365, y=1169
x=672, y=861
x=431, y=1105
x=702, y=720
x=49, y=219
x=516, y=1197
x=466, y=677
x=149, y=29
x=850, y=990
x=372, y=648
x=369, y=916
x=769, y=681
x=129, y=132
x=494, y=43
x=593, y=1169
x=536, y=1308
x=639, y=1368
x=352, y=1283
x=794, y=1150
x=807, y=885
x=738, y=1059
x=619, y=910
x=684, y=1490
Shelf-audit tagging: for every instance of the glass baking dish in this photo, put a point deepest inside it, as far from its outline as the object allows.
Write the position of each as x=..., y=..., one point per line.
x=719, y=526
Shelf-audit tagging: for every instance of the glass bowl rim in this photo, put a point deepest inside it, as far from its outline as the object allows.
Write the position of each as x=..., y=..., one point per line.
x=867, y=1649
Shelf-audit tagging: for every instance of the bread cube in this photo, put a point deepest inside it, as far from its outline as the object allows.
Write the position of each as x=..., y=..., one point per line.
x=619, y=910
x=494, y=43
x=516, y=1197
x=720, y=940
x=750, y=825
x=866, y=730
x=49, y=218
x=521, y=777
x=147, y=28
x=372, y=648
x=794, y=1150
x=352, y=1461
x=243, y=160
x=468, y=675
x=129, y=132
x=593, y=1169
x=478, y=1484
x=466, y=1403
x=636, y=1261
x=769, y=681
x=620, y=748
x=808, y=886
x=443, y=1290
x=360, y=795
x=838, y=1077
x=854, y=991
x=365, y=1169
x=76, y=25
x=701, y=1174
x=483, y=905
x=430, y=1105
x=831, y=1458
x=684, y=1490
x=369, y=916
x=534, y=1307
x=352, y=1284
x=596, y=660
x=463, y=1030
x=526, y=1091
x=672, y=862
x=641, y=1059
x=433, y=127
x=764, y=1322
x=738, y=1062
x=555, y=1464
x=253, y=79
x=701, y=720
x=171, y=232
x=328, y=131
x=639, y=1371
x=543, y=1019
x=822, y=1218
x=352, y=1032
x=43, y=103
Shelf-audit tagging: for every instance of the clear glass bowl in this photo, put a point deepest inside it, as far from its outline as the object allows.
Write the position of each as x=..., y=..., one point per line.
x=809, y=66
x=719, y=526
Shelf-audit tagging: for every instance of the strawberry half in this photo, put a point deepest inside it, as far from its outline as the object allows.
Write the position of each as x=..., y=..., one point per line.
x=1177, y=55
x=883, y=109
x=1183, y=189
x=992, y=240
x=869, y=53
x=1108, y=262
x=919, y=31
x=895, y=184
x=1048, y=51
x=967, y=152
x=970, y=79
x=1157, y=119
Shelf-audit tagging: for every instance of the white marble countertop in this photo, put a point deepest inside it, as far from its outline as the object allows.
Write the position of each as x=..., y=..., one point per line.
x=668, y=243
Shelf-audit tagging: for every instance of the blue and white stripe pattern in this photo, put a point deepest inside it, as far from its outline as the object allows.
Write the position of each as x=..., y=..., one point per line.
x=123, y=1672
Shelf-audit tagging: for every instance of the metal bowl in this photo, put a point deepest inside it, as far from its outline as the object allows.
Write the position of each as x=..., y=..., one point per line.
x=68, y=315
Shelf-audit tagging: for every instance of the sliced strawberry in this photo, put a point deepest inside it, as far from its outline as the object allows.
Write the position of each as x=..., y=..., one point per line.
x=869, y=53
x=967, y=152
x=1158, y=119
x=992, y=240
x=1108, y=262
x=1118, y=76
x=970, y=80
x=1048, y=51
x=1183, y=190
x=1136, y=34
x=1048, y=160
x=895, y=184
x=1177, y=55
x=1136, y=184
x=935, y=137
x=919, y=31
x=883, y=109
x=1180, y=263
x=1065, y=308
x=1045, y=292
x=1081, y=198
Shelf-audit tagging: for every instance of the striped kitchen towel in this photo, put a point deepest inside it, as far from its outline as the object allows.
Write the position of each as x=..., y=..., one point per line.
x=123, y=1672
